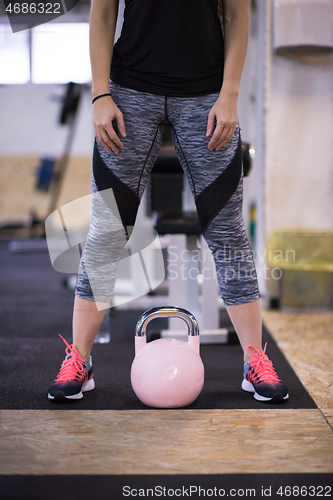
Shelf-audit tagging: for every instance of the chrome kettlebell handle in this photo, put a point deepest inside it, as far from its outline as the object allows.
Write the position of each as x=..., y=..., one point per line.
x=168, y=312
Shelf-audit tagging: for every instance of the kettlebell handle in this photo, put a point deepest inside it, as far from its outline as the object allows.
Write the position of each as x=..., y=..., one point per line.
x=168, y=312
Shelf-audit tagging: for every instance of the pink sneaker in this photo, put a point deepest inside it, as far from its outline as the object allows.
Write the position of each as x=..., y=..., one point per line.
x=74, y=378
x=260, y=377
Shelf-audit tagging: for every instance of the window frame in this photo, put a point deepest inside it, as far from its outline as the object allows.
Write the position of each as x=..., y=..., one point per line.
x=66, y=19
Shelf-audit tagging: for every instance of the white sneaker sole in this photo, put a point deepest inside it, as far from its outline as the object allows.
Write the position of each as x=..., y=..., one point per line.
x=248, y=387
x=87, y=386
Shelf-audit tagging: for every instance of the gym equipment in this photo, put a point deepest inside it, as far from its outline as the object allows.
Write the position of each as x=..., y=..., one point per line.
x=45, y=173
x=68, y=116
x=103, y=335
x=167, y=373
x=51, y=171
x=248, y=154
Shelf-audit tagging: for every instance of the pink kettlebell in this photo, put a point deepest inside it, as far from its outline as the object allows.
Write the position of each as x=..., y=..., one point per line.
x=167, y=373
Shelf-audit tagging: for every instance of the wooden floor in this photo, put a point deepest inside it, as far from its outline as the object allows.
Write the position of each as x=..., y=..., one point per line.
x=189, y=441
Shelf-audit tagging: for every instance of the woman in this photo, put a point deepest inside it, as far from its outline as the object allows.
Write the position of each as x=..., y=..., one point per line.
x=175, y=66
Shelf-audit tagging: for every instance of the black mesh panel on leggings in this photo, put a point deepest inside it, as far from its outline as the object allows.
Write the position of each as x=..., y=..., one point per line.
x=127, y=201
x=213, y=198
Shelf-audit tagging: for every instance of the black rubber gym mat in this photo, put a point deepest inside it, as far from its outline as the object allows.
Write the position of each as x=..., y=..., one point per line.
x=35, y=308
x=67, y=487
x=29, y=365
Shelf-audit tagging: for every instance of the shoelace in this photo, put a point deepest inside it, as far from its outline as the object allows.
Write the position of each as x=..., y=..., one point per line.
x=262, y=365
x=72, y=367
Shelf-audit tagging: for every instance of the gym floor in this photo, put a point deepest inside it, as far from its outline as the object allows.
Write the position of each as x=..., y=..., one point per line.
x=175, y=442
x=208, y=441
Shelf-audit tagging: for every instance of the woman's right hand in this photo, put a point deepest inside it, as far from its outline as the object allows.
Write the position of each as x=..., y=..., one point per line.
x=106, y=112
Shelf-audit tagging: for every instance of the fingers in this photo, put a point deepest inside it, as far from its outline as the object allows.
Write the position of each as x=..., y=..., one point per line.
x=108, y=123
x=222, y=135
x=109, y=140
x=225, y=137
x=121, y=124
x=210, y=124
x=223, y=118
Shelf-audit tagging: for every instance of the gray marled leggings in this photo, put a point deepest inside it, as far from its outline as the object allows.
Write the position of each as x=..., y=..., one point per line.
x=215, y=177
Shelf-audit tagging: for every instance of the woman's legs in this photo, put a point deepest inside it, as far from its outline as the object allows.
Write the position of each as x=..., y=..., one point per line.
x=216, y=181
x=224, y=230
x=118, y=184
x=125, y=176
x=87, y=320
x=247, y=322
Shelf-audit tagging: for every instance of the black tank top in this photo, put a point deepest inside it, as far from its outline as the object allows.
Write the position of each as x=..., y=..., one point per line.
x=170, y=47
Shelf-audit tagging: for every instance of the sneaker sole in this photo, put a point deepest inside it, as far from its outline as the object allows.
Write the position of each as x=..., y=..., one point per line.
x=277, y=397
x=60, y=396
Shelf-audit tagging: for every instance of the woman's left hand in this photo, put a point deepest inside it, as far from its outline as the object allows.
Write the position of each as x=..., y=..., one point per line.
x=223, y=116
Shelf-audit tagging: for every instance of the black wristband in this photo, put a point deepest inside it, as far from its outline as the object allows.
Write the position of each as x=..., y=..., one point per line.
x=98, y=97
